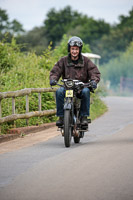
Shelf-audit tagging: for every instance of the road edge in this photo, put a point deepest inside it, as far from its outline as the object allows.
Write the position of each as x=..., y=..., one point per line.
x=21, y=131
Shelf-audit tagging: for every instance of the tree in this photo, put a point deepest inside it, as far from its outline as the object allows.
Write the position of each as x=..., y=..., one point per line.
x=67, y=21
x=4, y=23
x=16, y=27
x=58, y=23
x=93, y=30
x=34, y=40
x=6, y=26
x=126, y=21
x=104, y=39
x=111, y=45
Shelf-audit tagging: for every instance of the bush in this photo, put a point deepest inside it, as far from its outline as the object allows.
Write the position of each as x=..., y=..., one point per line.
x=8, y=53
x=25, y=71
x=19, y=70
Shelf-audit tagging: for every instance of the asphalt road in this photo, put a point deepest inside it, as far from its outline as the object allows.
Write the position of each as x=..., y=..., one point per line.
x=99, y=168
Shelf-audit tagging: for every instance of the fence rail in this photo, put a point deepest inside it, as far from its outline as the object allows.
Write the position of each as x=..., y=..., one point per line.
x=25, y=92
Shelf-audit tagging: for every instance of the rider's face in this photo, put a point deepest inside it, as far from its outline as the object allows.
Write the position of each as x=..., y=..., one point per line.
x=74, y=50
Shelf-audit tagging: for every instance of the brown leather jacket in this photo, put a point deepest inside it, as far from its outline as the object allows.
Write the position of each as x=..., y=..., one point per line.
x=84, y=71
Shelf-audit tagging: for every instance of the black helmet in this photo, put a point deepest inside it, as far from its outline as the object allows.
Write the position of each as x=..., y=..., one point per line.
x=75, y=41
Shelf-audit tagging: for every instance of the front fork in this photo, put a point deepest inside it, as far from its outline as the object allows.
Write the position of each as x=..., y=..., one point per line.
x=68, y=105
x=73, y=104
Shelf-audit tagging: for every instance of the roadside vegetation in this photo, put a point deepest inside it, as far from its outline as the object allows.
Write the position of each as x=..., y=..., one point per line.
x=110, y=41
x=19, y=70
x=103, y=38
x=26, y=58
x=117, y=68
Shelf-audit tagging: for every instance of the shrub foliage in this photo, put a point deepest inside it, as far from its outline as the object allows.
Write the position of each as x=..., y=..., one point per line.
x=27, y=70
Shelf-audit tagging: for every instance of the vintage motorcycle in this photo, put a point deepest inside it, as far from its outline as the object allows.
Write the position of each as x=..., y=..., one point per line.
x=72, y=126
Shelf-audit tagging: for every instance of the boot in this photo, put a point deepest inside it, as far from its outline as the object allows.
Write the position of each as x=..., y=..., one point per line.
x=84, y=121
x=60, y=121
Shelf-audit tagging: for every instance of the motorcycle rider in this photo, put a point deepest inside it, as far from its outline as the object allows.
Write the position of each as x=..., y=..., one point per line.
x=77, y=67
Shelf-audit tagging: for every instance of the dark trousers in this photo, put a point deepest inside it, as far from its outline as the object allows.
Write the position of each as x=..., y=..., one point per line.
x=85, y=102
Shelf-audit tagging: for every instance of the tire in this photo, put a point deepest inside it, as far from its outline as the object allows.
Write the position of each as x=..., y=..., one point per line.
x=67, y=128
x=76, y=139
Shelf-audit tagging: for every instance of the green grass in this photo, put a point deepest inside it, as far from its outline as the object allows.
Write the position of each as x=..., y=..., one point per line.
x=97, y=108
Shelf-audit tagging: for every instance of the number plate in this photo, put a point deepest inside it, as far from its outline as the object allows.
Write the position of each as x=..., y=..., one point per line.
x=69, y=93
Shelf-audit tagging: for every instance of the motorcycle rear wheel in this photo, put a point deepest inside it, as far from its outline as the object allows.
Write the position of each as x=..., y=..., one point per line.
x=67, y=128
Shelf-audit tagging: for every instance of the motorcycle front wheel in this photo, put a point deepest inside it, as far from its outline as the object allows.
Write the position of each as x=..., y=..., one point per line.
x=67, y=128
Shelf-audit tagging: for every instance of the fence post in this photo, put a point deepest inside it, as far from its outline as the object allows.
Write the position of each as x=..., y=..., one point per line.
x=27, y=108
x=13, y=108
x=39, y=102
x=13, y=105
x=0, y=114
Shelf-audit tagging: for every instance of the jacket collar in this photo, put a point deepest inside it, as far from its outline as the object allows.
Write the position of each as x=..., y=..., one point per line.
x=71, y=64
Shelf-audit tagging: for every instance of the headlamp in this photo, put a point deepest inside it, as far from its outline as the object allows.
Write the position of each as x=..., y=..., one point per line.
x=69, y=84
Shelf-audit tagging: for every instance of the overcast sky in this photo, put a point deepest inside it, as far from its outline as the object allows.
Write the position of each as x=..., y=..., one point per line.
x=31, y=13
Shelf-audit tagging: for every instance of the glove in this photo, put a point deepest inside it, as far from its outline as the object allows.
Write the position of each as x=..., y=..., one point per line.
x=53, y=82
x=93, y=84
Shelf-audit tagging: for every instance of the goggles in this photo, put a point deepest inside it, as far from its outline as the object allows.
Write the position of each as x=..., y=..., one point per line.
x=75, y=43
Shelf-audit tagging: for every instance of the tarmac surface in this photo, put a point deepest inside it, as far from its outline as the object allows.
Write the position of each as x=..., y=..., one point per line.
x=98, y=168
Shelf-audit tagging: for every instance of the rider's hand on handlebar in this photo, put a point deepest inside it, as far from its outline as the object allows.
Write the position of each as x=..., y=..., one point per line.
x=53, y=82
x=93, y=84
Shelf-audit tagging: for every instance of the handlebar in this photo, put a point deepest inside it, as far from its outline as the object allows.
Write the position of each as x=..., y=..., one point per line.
x=77, y=82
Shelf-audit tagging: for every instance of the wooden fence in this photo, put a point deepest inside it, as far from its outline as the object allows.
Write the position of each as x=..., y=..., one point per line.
x=27, y=114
